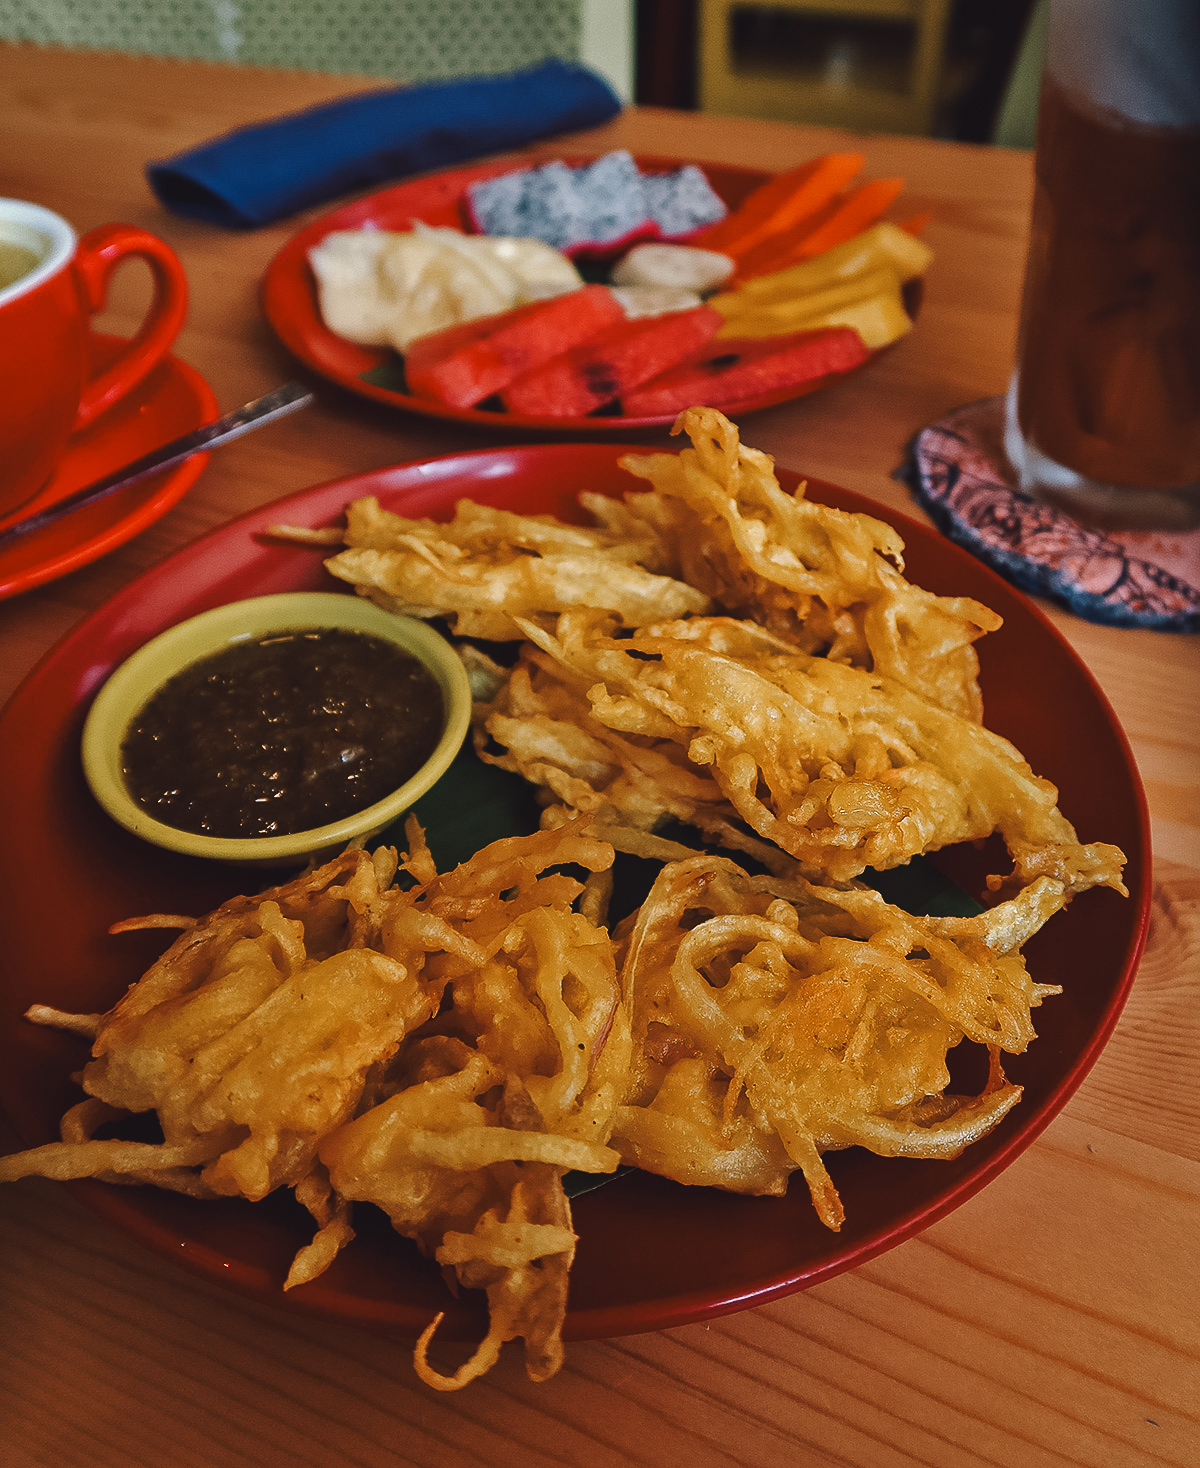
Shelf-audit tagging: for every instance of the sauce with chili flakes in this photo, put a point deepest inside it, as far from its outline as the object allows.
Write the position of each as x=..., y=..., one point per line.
x=282, y=734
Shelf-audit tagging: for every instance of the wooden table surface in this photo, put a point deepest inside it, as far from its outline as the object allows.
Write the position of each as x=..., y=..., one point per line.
x=1052, y=1320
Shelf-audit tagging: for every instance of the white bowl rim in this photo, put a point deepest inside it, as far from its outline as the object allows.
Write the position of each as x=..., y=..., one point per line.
x=60, y=237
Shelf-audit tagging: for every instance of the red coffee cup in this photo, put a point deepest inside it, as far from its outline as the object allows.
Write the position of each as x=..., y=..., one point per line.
x=46, y=394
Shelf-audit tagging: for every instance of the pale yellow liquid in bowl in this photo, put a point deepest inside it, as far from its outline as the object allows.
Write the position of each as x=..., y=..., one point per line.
x=15, y=261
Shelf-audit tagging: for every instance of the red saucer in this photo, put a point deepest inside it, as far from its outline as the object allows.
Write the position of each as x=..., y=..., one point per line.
x=172, y=401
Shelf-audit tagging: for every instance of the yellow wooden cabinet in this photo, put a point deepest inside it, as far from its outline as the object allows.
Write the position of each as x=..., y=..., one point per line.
x=872, y=65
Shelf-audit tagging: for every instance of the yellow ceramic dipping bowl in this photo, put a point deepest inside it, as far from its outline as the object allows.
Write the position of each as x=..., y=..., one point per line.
x=140, y=676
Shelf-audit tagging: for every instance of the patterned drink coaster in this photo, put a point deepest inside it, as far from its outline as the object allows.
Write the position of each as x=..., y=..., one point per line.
x=960, y=474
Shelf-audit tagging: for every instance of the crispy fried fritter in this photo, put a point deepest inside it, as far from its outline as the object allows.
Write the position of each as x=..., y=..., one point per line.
x=775, y=1021
x=840, y=768
x=488, y=566
x=830, y=582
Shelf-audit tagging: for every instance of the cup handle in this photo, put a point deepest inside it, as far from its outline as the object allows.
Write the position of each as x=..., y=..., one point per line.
x=98, y=254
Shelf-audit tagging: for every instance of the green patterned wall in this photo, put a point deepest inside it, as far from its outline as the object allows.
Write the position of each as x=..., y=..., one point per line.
x=414, y=40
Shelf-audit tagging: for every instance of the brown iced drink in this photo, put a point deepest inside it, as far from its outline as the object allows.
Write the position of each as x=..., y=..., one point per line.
x=1109, y=381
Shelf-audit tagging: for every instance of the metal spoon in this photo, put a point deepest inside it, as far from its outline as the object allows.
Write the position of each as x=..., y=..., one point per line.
x=277, y=404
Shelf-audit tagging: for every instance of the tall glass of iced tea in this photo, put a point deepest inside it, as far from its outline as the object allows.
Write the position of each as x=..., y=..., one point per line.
x=1104, y=407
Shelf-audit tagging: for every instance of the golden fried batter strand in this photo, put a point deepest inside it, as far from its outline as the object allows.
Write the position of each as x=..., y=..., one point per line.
x=515, y=1082
x=841, y=768
x=168, y=1165
x=775, y=1021
x=459, y=1160
x=488, y=565
x=830, y=582
x=331, y=1213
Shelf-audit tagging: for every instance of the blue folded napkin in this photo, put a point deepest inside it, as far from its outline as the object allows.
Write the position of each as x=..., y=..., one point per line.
x=264, y=172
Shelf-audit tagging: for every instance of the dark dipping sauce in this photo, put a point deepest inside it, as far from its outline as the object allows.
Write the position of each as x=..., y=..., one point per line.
x=283, y=734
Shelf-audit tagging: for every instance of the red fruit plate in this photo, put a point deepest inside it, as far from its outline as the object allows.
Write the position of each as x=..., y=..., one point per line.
x=289, y=301
x=651, y=1253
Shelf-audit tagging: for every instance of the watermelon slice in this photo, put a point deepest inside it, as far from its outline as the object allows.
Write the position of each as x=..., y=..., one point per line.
x=610, y=364
x=464, y=364
x=737, y=369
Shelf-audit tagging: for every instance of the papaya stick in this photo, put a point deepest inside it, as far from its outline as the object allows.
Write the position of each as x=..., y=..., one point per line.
x=916, y=224
x=761, y=203
x=765, y=256
x=863, y=206
x=883, y=243
x=879, y=318
x=782, y=203
x=856, y=210
x=793, y=312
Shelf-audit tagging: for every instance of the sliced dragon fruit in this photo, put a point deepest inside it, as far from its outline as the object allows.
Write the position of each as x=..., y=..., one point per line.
x=596, y=209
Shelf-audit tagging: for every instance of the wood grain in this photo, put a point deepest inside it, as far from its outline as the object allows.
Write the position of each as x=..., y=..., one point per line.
x=1054, y=1320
